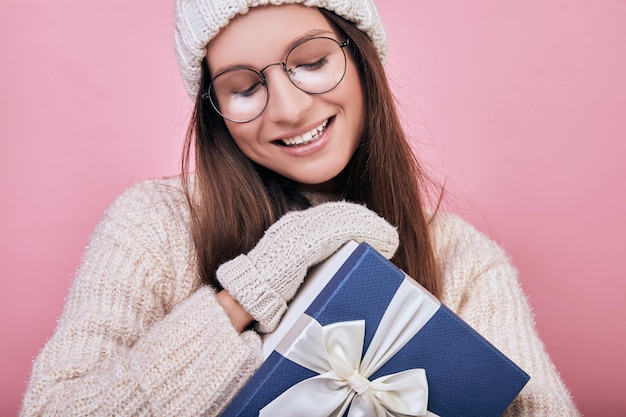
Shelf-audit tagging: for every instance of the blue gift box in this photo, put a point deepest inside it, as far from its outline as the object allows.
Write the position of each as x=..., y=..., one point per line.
x=466, y=375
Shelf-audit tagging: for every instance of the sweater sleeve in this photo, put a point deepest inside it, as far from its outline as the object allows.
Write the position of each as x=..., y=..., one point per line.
x=482, y=287
x=138, y=335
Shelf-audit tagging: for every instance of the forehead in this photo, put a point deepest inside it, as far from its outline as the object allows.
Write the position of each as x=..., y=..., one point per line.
x=264, y=35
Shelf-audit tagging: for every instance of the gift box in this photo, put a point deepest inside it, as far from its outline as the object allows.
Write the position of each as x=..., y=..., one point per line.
x=362, y=338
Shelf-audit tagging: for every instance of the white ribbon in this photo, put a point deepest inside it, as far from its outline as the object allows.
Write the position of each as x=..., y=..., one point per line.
x=334, y=352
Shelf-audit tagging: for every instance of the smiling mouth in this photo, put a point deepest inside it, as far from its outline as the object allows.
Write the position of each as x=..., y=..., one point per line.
x=305, y=138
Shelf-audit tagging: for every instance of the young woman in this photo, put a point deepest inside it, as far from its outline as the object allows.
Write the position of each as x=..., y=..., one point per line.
x=298, y=149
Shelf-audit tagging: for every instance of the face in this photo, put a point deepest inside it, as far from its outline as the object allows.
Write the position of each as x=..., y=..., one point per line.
x=330, y=123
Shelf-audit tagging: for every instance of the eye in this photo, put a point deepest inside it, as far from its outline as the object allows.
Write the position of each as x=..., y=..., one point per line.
x=312, y=66
x=247, y=91
x=237, y=83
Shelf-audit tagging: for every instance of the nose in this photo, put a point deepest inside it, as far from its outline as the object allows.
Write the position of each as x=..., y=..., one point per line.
x=286, y=103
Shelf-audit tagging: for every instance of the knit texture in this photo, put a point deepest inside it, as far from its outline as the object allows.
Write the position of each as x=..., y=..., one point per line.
x=140, y=336
x=199, y=21
x=270, y=274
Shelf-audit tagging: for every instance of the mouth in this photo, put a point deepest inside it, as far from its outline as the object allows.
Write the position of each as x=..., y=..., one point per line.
x=307, y=137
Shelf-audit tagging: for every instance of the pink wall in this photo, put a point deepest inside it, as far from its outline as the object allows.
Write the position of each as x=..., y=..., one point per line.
x=521, y=105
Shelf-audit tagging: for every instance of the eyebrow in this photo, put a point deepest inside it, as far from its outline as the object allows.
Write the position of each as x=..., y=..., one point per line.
x=300, y=39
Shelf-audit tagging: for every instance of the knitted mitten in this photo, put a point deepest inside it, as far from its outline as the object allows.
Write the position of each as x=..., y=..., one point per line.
x=270, y=274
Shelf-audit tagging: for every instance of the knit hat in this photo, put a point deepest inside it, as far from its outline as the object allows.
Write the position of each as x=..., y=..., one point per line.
x=199, y=21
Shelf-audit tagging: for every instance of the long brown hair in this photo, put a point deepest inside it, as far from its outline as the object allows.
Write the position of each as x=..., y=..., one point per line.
x=234, y=200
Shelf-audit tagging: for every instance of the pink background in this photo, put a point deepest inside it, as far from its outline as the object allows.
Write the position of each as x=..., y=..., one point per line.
x=520, y=106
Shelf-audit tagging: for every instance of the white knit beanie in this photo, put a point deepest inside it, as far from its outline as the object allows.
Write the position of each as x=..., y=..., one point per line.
x=199, y=21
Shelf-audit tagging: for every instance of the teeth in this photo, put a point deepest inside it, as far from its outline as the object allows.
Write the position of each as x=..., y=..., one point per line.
x=305, y=137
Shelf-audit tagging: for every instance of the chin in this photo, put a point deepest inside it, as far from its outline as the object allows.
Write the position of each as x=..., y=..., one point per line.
x=313, y=180
x=326, y=184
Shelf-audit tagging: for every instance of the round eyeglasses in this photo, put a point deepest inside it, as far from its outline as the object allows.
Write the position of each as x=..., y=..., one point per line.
x=315, y=66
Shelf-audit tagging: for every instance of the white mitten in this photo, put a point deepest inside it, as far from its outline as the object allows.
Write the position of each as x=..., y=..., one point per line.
x=270, y=274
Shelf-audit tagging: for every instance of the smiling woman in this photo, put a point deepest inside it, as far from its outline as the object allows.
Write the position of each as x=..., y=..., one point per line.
x=297, y=149
x=306, y=87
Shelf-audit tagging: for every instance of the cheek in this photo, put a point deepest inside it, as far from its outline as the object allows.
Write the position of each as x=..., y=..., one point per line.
x=244, y=136
x=354, y=91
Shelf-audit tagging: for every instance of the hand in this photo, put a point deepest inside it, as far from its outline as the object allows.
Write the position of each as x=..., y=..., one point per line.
x=236, y=313
x=270, y=274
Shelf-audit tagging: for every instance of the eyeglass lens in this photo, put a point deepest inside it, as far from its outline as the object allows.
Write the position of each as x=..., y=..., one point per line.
x=315, y=66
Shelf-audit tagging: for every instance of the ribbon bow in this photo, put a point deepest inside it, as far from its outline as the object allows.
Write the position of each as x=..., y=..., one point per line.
x=334, y=352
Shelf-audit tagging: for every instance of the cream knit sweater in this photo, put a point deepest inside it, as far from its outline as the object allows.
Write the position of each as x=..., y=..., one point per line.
x=139, y=336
